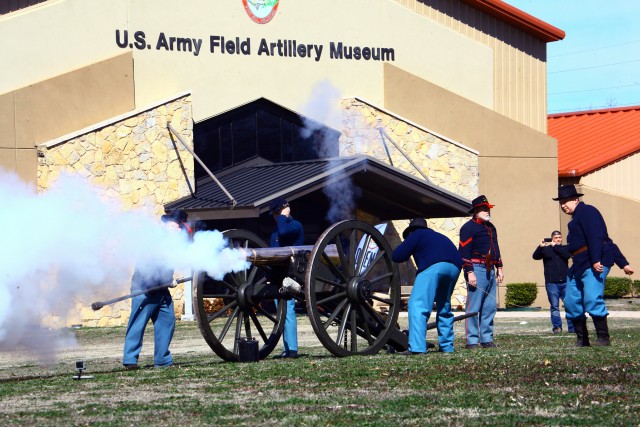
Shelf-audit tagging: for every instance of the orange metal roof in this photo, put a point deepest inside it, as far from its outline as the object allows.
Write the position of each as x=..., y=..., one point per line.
x=519, y=19
x=588, y=140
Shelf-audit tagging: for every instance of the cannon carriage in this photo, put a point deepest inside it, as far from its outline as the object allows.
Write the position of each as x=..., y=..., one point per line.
x=350, y=287
x=352, y=294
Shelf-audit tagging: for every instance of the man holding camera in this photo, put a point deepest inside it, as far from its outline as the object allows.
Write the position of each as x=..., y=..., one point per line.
x=555, y=258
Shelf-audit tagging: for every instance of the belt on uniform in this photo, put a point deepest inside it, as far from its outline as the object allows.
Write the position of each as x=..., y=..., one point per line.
x=579, y=251
x=482, y=261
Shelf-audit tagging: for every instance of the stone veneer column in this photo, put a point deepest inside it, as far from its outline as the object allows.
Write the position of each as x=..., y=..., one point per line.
x=448, y=165
x=135, y=160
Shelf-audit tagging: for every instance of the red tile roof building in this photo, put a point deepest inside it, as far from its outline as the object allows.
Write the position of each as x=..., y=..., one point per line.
x=588, y=140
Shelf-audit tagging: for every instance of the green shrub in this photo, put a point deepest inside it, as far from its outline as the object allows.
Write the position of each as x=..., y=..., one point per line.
x=617, y=287
x=520, y=294
x=636, y=287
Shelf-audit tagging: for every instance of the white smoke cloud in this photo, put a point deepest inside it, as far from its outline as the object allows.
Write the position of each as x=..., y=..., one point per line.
x=324, y=106
x=71, y=244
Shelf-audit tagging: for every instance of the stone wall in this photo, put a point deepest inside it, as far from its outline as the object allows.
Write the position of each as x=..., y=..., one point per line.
x=135, y=160
x=447, y=164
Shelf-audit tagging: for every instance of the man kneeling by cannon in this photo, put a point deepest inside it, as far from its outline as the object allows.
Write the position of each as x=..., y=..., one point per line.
x=439, y=264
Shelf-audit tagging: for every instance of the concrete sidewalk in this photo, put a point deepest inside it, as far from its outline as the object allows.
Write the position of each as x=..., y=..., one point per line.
x=545, y=313
x=542, y=313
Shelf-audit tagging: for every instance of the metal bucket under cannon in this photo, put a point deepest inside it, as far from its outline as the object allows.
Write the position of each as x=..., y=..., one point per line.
x=348, y=268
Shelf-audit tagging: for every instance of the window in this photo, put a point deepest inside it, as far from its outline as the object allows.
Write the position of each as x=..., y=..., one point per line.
x=8, y=6
x=260, y=129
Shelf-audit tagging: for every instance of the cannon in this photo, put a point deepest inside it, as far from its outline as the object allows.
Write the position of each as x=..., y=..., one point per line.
x=350, y=287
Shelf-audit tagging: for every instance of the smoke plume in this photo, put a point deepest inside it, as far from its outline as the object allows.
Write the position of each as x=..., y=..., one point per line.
x=324, y=107
x=70, y=245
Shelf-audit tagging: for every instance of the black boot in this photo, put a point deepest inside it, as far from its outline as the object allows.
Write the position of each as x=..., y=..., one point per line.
x=602, y=331
x=582, y=335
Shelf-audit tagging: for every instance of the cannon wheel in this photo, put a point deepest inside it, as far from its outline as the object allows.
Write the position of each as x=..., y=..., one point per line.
x=340, y=290
x=232, y=313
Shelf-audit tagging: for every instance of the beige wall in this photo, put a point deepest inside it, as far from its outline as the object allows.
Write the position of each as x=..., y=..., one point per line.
x=55, y=107
x=519, y=59
x=518, y=165
x=86, y=29
x=57, y=37
x=620, y=215
x=620, y=178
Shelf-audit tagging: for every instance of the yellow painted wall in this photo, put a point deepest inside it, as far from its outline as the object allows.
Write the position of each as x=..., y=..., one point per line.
x=86, y=33
x=49, y=109
x=517, y=165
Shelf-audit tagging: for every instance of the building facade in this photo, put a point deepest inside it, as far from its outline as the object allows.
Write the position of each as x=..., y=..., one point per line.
x=459, y=85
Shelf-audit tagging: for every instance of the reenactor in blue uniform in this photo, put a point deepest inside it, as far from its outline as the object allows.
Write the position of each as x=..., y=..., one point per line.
x=480, y=259
x=156, y=306
x=593, y=254
x=438, y=263
x=288, y=232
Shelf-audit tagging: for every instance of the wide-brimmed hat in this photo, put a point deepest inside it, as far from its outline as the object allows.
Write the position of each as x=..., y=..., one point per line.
x=178, y=216
x=480, y=201
x=414, y=224
x=277, y=204
x=567, y=191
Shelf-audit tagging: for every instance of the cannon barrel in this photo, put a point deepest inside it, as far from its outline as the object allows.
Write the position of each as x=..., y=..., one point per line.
x=283, y=255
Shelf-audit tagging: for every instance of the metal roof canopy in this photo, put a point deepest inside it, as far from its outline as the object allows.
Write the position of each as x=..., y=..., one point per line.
x=380, y=189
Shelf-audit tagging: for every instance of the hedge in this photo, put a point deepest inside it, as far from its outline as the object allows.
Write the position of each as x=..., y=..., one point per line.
x=520, y=294
x=617, y=287
x=636, y=288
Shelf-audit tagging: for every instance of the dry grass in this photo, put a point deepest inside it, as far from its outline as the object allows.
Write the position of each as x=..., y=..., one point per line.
x=534, y=378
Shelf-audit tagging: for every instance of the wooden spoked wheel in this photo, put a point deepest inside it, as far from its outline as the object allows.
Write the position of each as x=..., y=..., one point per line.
x=239, y=305
x=349, y=269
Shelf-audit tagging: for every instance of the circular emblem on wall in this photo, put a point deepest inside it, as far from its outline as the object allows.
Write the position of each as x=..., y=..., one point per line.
x=261, y=11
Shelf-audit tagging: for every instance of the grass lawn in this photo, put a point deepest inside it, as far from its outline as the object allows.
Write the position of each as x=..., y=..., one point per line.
x=533, y=378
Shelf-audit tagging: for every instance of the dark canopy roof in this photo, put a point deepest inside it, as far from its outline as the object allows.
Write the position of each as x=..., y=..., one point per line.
x=384, y=191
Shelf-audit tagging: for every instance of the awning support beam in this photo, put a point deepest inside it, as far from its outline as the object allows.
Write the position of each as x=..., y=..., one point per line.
x=384, y=135
x=195, y=156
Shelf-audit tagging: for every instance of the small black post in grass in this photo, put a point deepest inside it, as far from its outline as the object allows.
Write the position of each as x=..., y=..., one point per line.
x=80, y=366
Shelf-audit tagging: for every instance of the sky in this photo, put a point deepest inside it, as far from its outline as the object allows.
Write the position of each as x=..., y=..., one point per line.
x=597, y=64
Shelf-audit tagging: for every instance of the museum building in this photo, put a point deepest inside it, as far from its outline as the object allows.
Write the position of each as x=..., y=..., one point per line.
x=384, y=111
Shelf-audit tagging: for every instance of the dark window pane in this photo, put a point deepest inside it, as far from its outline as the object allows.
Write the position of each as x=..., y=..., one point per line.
x=326, y=143
x=287, y=141
x=226, y=146
x=207, y=146
x=244, y=138
x=303, y=144
x=269, y=138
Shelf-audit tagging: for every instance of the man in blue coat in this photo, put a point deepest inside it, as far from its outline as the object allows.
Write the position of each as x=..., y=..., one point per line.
x=156, y=306
x=593, y=254
x=288, y=232
x=438, y=268
x=481, y=258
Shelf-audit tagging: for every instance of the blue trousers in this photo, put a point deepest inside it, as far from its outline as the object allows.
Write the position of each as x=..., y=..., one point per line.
x=433, y=284
x=481, y=298
x=290, y=331
x=555, y=293
x=158, y=307
x=585, y=294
